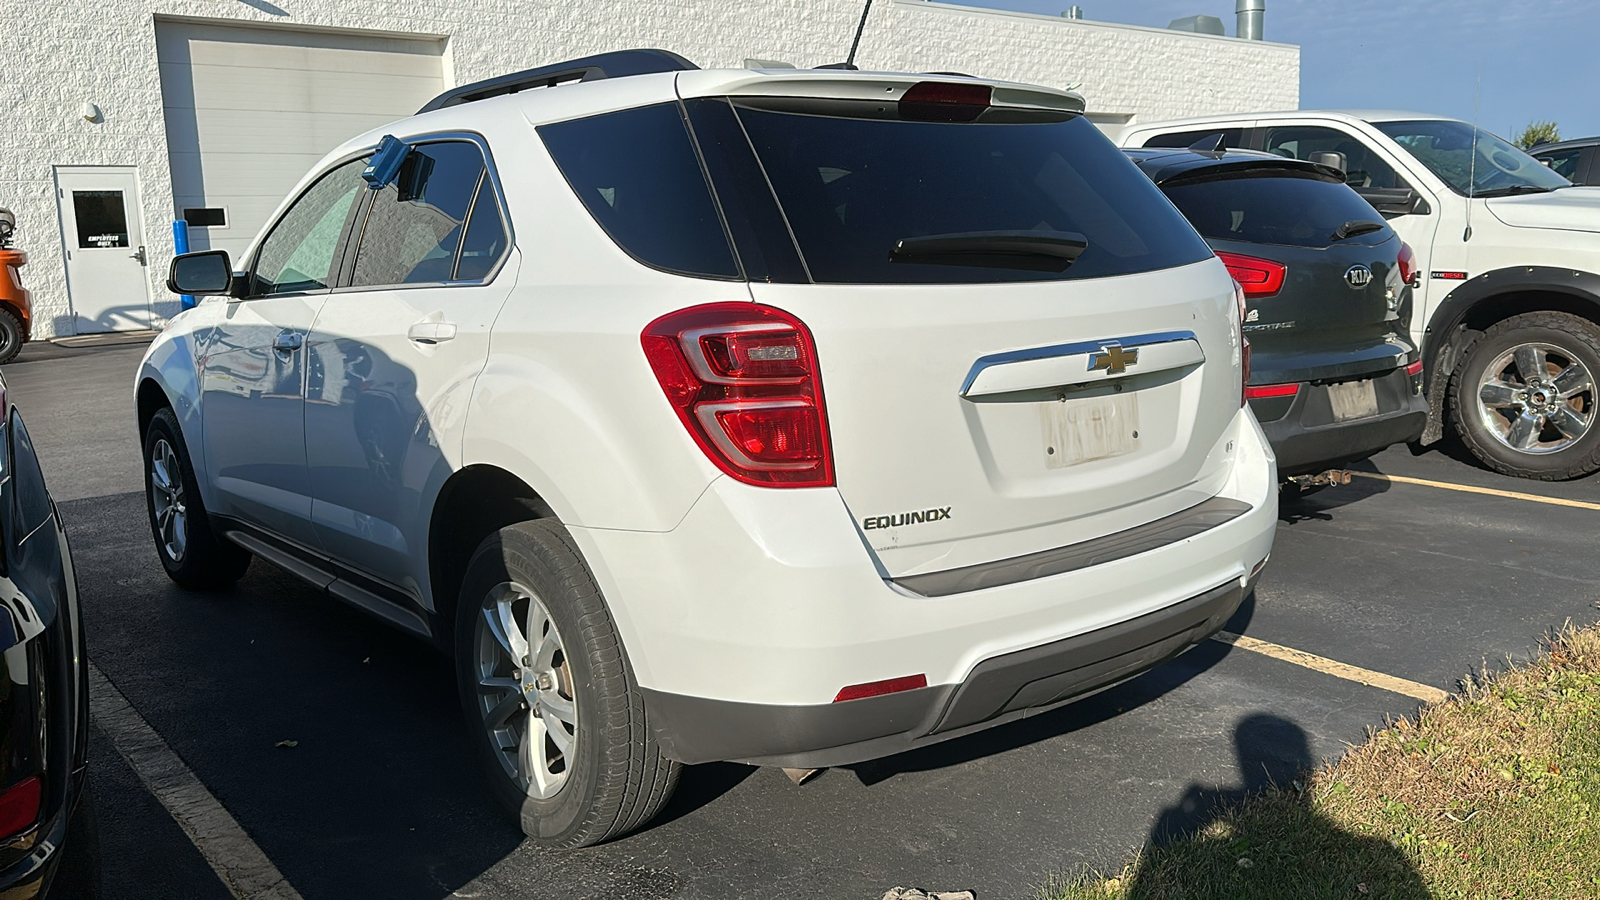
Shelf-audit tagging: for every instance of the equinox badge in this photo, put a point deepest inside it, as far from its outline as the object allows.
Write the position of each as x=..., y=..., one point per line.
x=909, y=518
x=1113, y=359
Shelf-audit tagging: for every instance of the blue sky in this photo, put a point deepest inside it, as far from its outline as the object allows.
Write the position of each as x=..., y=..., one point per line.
x=1539, y=59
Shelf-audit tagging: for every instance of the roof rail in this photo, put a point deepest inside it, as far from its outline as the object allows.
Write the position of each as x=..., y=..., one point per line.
x=618, y=64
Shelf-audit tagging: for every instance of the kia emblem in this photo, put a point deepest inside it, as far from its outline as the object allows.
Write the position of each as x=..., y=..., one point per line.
x=1358, y=277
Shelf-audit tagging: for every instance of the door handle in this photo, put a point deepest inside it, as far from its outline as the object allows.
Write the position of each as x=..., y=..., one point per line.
x=139, y=255
x=288, y=342
x=431, y=332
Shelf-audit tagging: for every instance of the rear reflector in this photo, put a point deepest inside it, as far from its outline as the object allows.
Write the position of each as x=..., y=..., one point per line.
x=19, y=807
x=1415, y=368
x=879, y=688
x=1258, y=277
x=1268, y=391
x=938, y=101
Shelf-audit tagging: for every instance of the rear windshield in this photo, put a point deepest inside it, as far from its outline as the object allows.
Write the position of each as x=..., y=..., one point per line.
x=852, y=189
x=1297, y=211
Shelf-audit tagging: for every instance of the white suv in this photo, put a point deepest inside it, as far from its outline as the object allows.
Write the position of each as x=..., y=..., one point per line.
x=1508, y=253
x=789, y=417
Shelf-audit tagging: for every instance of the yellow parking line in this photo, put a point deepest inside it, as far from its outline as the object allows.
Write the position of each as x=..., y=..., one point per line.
x=1469, y=489
x=1337, y=669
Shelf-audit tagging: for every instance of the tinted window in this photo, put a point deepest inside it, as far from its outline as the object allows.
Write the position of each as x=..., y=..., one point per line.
x=1301, y=212
x=853, y=188
x=414, y=227
x=485, y=239
x=637, y=173
x=101, y=217
x=1563, y=162
x=298, y=253
x=1447, y=147
x=1363, y=169
x=1231, y=137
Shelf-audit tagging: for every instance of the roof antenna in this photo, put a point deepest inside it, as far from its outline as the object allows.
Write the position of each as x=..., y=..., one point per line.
x=850, y=62
x=1472, y=164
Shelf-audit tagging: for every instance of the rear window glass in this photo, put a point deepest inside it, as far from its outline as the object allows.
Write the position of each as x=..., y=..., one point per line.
x=853, y=188
x=637, y=173
x=1299, y=212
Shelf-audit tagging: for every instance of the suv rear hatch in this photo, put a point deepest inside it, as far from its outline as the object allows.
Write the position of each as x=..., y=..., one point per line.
x=1325, y=296
x=1022, y=345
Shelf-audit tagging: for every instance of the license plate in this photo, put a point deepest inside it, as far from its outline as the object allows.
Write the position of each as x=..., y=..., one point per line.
x=1089, y=428
x=1353, y=400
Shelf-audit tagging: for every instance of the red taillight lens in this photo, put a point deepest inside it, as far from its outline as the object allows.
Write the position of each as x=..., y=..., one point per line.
x=938, y=101
x=743, y=379
x=19, y=806
x=1269, y=391
x=1258, y=277
x=1407, y=262
x=879, y=688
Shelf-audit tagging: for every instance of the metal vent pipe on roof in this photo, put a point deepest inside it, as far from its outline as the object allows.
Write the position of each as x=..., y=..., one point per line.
x=1072, y=12
x=1250, y=13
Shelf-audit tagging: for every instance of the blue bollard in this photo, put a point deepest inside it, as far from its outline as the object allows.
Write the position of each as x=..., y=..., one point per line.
x=180, y=243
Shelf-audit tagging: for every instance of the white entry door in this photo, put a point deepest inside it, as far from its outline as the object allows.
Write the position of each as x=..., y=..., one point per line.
x=101, y=224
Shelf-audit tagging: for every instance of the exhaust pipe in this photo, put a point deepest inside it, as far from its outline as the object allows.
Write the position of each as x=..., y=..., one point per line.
x=1250, y=14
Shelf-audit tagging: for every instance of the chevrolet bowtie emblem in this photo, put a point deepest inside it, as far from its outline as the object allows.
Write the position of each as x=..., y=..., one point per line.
x=1113, y=359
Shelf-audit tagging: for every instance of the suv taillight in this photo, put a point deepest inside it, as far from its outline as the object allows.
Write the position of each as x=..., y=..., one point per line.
x=1407, y=262
x=743, y=379
x=1243, y=342
x=1258, y=277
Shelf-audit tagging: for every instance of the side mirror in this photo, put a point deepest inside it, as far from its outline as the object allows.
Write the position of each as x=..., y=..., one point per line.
x=1394, y=202
x=200, y=274
x=1333, y=159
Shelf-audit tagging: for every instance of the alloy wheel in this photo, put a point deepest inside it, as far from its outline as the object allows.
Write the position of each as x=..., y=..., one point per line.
x=526, y=696
x=167, y=499
x=1537, y=398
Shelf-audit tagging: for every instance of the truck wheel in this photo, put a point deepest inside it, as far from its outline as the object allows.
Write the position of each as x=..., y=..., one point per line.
x=558, y=723
x=194, y=556
x=10, y=336
x=1524, y=398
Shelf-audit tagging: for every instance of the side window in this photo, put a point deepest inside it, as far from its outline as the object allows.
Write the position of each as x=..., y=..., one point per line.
x=1363, y=168
x=413, y=232
x=298, y=254
x=1231, y=137
x=1563, y=162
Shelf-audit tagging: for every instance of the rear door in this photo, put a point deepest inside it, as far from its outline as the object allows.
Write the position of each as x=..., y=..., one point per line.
x=986, y=405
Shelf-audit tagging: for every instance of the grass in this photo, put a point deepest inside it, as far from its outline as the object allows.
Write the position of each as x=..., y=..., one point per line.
x=1492, y=794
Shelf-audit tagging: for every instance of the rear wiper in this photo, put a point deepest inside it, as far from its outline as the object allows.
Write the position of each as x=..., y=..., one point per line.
x=1354, y=227
x=1036, y=251
x=1513, y=189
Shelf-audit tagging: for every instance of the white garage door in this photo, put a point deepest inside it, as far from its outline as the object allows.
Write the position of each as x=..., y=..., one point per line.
x=249, y=110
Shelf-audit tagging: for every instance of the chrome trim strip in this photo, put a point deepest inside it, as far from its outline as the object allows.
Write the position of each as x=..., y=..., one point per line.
x=1073, y=349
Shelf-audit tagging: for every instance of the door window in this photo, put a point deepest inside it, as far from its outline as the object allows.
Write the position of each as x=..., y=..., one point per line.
x=102, y=219
x=1563, y=162
x=298, y=254
x=1231, y=138
x=1362, y=167
x=414, y=230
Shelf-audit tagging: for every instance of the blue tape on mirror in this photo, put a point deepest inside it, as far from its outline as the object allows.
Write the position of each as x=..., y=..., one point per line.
x=386, y=162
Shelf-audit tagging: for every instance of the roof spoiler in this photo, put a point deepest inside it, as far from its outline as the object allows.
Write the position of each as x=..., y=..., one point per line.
x=619, y=64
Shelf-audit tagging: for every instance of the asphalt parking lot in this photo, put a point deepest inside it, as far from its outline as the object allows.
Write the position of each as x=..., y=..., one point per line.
x=1406, y=576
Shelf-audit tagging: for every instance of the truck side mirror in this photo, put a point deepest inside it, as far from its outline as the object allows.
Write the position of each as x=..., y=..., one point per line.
x=1394, y=202
x=1333, y=159
x=200, y=274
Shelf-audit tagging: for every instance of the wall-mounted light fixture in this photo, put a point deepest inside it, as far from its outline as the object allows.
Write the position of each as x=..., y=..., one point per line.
x=90, y=112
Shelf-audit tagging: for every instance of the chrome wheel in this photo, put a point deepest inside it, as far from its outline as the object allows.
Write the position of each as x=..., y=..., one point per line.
x=166, y=498
x=525, y=690
x=1537, y=398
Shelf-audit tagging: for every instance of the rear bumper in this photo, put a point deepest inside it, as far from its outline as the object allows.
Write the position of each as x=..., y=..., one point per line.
x=1000, y=689
x=1306, y=438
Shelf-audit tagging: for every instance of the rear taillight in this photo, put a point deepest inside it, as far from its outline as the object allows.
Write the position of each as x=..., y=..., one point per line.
x=1407, y=261
x=1241, y=344
x=19, y=807
x=743, y=379
x=1258, y=277
x=939, y=101
x=1270, y=391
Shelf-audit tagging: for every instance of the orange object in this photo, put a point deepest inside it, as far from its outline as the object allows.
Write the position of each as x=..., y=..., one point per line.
x=13, y=296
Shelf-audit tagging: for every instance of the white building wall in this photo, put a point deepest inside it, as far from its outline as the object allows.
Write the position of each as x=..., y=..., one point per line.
x=60, y=54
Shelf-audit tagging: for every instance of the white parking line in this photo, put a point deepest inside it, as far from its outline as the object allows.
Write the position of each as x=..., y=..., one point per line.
x=236, y=859
x=1423, y=692
x=1469, y=489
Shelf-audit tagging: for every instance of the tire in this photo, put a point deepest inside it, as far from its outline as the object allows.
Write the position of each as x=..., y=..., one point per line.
x=10, y=335
x=194, y=555
x=1524, y=397
x=610, y=778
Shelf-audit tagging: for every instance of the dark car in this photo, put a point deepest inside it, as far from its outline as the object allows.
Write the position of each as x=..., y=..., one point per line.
x=48, y=842
x=1578, y=161
x=1334, y=376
